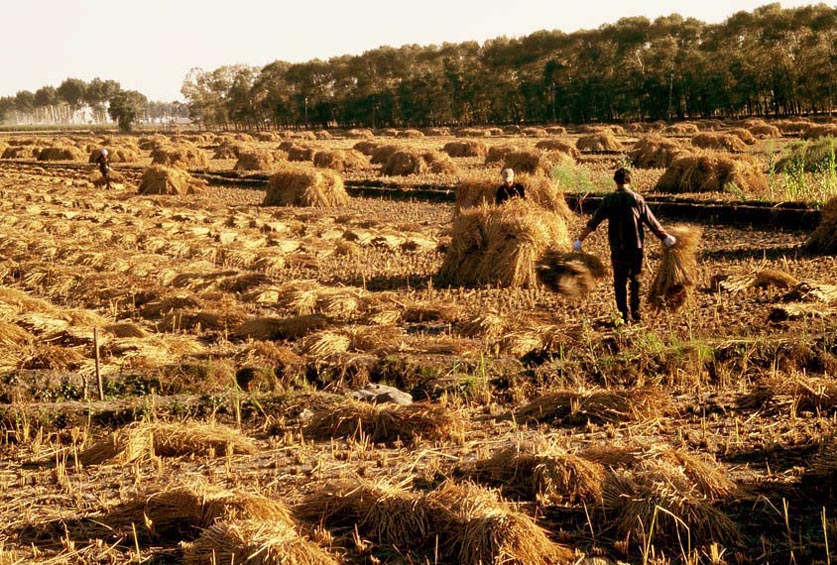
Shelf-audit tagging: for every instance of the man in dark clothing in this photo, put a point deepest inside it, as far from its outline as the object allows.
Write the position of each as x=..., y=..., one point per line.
x=104, y=166
x=626, y=212
x=509, y=188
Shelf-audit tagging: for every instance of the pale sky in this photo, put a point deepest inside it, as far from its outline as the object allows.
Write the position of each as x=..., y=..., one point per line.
x=150, y=45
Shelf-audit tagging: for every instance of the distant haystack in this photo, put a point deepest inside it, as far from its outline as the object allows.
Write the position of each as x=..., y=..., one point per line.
x=719, y=142
x=466, y=148
x=341, y=160
x=711, y=172
x=654, y=152
x=305, y=187
x=680, y=129
x=258, y=160
x=61, y=153
x=127, y=154
x=181, y=156
x=411, y=161
x=559, y=146
x=165, y=180
x=597, y=142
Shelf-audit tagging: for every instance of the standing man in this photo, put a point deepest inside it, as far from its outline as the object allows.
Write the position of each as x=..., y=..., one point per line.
x=509, y=188
x=104, y=166
x=626, y=212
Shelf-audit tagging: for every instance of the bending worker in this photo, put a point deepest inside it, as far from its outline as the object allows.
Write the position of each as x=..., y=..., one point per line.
x=509, y=188
x=626, y=212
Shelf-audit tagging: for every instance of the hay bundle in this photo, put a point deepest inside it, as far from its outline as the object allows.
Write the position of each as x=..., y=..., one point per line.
x=366, y=147
x=410, y=134
x=181, y=156
x=387, y=424
x=341, y=160
x=792, y=127
x=822, y=130
x=711, y=172
x=412, y=161
x=299, y=152
x=61, y=153
x=533, y=132
x=765, y=131
x=230, y=150
x=481, y=529
x=371, y=339
x=681, y=129
x=474, y=132
x=305, y=187
x=258, y=160
x=573, y=408
x=815, y=156
x=654, y=152
x=596, y=142
x=719, y=142
x=141, y=440
x=498, y=153
x=380, y=154
x=547, y=474
x=661, y=494
x=558, y=145
x=677, y=272
x=21, y=152
x=824, y=238
x=164, y=180
x=540, y=190
x=359, y=134
x=570, y=274
x=745, y=135
x=14, y=335
x=534, y=162
x=466, y=148
x=556, y=130
x=123, y=154
x=711, y=125
x=501, y=244
x=269, y=329
x=386, y=513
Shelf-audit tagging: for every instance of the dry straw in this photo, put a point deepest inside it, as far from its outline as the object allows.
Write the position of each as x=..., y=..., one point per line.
x=386, y=424
x=341, y=160
x=142, y=440
x=305, y=187
x=597, y=407
x=466, y=148
x=414, y=161
x=676, y=273
x=293, y=327
x=478, y=190
x=572, y=275
x=558, y=145
x=258, y=160
x=184, y=155
x=598, y=142
x=158, y=179
x=61, y=153
x=711, y=172
x=824, y=238
x=500, y=245
x=654, y=152
x=719, y=142
x=254, y=542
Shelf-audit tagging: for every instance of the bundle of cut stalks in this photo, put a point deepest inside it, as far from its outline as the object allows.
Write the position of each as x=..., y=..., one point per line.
x=821, y=130
x=378, y=339
x=654, y=152
x=359, y=133
x=574, y=408
x=466, y=148
x=142, y=440
x=164, y=180
x=558, y=145
x=824, y=238
x=230, y=150
x=763, y=278
x=480, y=529
x=184, y=155
x=341, y=160
x=61, y=153
x=380, y=154
x=387, y=424
x=269, y=329
x=544, y=473
x=386, y=513
x=536, y=162
x=500, y=245
x=540, y=190
x=572, y=274
x=497, y=153
x=123, y=154
x=254, y=542
x=258, y=160
x=294, y=186
x=412, y=161
x=681, y=129
x=719, y=142
x=799, y=393
x=676, y=274
x=596, y=142
x=744, y=135
x=298, y=152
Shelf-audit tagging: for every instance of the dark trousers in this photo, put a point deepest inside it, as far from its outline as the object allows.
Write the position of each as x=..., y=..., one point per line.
x=627, y=268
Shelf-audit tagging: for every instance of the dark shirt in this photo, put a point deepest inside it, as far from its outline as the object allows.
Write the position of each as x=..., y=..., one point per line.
x=504, y=192
x=104, y=164
x=625, y=211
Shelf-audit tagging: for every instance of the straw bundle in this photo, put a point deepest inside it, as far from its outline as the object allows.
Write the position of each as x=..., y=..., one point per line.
x=123, y=154
x=230, y=150
x=371, y=339
x=596, y=142
x=299, y=152
x=547, y=474
x=258, y=160
x=141, y=440
x=654, y=152
x=681, y=129
x=711, y=172
x=305, y=187
x=61, y=153
x=386, y=513
x=765, y=131
x=380, y=154
x=474, y=191
x=745, y=135
x=535, y=162
x=164, y=180
x=256, y=542
x=822, y=130
x=482, y=530
x=676, y=274
x=498, y=153
x=387, y=424
x=792, y=126
x=466, y=148
x=413, y=161
x=341, y=160
x=763, y=278
x=21, y=152
x=181, y=156
x=719, y=142
x=708, y=478
x=410, y=134
x=501, y=244
x=570, y=274
x=558, y=145
x=270, y=329
x=598, y=406
x=359, y=133
x=12, y=334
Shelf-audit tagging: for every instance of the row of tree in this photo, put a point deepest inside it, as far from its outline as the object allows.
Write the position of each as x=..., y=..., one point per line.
x=771, y=61
x=75, y=101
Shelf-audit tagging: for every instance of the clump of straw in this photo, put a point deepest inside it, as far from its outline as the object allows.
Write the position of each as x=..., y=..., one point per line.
x=676, y=274
x=574, y=408
x=570, y=274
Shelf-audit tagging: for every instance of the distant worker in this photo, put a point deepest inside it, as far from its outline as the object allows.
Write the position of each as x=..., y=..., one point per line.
x=104, y=166
x=626, y=212
x=509, y=188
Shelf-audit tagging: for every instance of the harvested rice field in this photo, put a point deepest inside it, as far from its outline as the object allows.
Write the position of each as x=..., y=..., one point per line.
x=228, y=358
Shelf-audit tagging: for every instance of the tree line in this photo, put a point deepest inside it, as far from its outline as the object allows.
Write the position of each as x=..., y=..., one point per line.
x=769, y=62
x=76, y=101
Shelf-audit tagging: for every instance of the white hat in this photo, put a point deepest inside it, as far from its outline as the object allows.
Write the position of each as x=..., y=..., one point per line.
x=507, y=174
x=104, y=151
